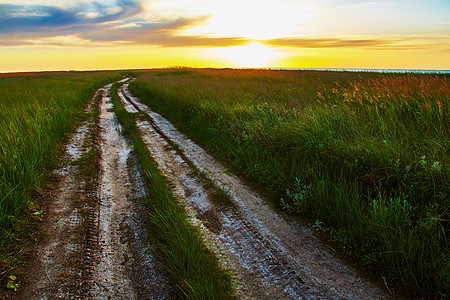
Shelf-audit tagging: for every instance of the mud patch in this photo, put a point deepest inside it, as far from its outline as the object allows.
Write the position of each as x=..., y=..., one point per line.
x=211, y=221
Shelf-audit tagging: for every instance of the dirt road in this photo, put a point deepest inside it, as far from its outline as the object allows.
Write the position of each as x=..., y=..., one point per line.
x=96, y=245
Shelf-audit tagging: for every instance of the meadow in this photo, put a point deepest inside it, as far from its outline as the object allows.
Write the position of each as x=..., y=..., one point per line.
x=36, y=113
x=363, y=156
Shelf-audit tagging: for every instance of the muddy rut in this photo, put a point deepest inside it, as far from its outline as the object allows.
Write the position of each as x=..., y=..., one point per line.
x=96, y=245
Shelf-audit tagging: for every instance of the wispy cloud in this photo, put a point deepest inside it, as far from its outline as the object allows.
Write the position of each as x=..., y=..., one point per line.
x=161, y=33
x=411, y=42
x=326, y=42
x=19, y=19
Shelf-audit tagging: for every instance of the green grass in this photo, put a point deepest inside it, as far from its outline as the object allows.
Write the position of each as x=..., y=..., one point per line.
x=365, y=153
x=36, y=113
x=193, y=269
x=222, y=196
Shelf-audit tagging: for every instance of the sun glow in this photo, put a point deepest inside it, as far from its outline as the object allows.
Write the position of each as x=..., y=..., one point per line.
x=253, y=55
x=253, y=19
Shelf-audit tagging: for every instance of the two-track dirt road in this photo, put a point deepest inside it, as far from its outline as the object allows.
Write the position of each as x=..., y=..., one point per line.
x=96, y=244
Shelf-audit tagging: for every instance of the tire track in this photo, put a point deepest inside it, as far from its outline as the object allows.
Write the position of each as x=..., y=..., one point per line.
x=125, y=267
x=59, y=268
x=269, y=257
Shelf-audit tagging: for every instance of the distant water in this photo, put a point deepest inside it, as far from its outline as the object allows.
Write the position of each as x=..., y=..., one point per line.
x=372, y=70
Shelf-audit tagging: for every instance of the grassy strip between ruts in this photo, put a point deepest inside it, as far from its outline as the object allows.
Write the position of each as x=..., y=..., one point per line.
x=191, y=266
x=365, y=153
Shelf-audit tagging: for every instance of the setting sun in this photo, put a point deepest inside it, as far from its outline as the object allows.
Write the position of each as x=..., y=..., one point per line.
x=253, y=55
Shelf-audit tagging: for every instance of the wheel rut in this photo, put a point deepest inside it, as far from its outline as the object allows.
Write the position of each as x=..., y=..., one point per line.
x=124, y=267
x=268, y=257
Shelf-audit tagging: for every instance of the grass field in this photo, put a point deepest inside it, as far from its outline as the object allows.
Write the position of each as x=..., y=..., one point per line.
x=36, y=112
x=364, y=154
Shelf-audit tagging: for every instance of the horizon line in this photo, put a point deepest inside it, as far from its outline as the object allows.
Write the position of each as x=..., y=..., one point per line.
x=367, y=70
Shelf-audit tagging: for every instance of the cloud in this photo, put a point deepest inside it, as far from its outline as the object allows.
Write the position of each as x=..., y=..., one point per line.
x=327, y=42
x=102, y=26
x=162, y=33
x=97, y=25
x=412, y=42
x=18, y=19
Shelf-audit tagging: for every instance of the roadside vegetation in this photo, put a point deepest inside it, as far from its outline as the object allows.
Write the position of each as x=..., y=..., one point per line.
x=37, y=112
x=364, y=155
x=192, y=268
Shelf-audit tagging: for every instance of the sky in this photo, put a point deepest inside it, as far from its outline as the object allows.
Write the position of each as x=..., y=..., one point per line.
x=37, y=35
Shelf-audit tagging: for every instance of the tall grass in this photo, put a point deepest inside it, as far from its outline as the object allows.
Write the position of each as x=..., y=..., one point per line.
x=365, y=153
x=36, y=112
x=192, y=268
